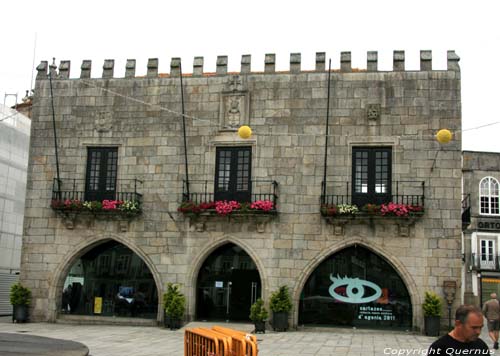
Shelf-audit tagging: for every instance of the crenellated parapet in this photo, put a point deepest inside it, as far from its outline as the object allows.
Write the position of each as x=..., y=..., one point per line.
x=246, y=65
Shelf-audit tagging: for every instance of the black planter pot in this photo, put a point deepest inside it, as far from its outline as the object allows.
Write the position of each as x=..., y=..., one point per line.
x=432, y=325
x=175, y=324
x=260, y=326
x=166, y=320
x=280, y=321
x=20, y=313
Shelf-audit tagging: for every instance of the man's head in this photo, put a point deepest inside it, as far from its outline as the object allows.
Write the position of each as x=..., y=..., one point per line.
x=493, y=296
x=468, y=322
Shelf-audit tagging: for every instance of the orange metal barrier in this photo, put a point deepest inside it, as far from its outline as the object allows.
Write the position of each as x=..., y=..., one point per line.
x=219, y=341
x=227, y=330
x=244, y=344
x=225, y=341
x=200, y=344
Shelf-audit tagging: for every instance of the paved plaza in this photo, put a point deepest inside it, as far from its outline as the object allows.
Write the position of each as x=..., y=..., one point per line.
x=103, y=340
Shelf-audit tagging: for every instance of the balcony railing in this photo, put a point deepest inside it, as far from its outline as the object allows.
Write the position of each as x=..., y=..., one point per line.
x=71, y=195
x=405, y=192
x=466, y=218
x=202, y=191
x=488, y=262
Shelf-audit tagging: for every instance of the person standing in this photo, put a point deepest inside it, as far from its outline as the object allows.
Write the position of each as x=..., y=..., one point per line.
x=464, y=338
x=491, y=311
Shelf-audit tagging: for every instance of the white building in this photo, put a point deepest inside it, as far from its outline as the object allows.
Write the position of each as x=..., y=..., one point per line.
x=14, y=149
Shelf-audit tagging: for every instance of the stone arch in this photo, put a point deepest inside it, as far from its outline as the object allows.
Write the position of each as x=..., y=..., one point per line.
x=206, y=251
x=410, y=284
x=56, y=282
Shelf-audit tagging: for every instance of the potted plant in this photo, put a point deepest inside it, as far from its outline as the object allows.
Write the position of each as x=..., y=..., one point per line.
x=432, y=307
x=20, y=298
x=280, y=304
x=172, y=290
x=371, y=209
x=259, y=314
x=175, y=310
x=189, y=208
x=328, y=210
x=347, y=209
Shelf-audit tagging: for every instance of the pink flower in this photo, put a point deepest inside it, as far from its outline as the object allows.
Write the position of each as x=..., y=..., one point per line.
x=111, y=204
x=72, y=204
x=265, y=205
x=226, y=207
x=398, y=209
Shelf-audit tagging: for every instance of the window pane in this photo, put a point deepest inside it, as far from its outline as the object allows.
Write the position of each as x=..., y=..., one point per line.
x=494, y=205
x=381, y=170
x=224, y=170
x=111, y=168
x=95, y=165
x=242, y=170
x=484, y=187
x=361, y=169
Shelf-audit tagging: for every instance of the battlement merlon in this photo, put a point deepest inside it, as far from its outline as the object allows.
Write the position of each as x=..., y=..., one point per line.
x=246, y=63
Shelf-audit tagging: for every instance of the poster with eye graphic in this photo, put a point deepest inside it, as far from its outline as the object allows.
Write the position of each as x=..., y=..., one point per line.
x=355, y=287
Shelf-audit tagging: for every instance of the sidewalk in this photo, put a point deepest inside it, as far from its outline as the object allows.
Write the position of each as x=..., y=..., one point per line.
x=152, y=341
x=15, y=344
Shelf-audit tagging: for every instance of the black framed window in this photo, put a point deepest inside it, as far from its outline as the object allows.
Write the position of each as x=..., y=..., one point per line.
x=102, y=167
x=371, y=175
x=232, y=174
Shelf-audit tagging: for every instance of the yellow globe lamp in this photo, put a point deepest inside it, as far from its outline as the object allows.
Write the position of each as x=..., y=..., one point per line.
x=245, y=132
x=444, y=136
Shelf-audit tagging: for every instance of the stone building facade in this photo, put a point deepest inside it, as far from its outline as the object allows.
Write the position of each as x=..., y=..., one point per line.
x=481, y=225
x=381, y=149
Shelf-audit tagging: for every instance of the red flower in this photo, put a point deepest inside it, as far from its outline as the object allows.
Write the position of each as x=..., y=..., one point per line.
x=399, y=209
x=207, y=205
x=265, y=205
x=111, y=204
x=226, y=207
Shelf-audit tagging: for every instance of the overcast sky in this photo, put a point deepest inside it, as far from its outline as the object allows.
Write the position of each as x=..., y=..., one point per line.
x=98, y=30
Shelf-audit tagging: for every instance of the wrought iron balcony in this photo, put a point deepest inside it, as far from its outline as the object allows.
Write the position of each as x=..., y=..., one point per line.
x=466, y=218
x=199, y=196
x=487, y=262
x=72, y=196
x=408, y=200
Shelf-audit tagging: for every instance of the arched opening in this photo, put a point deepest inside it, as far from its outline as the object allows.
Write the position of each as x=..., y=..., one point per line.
x=227, y=285
x=110, y=280
x=355, y=287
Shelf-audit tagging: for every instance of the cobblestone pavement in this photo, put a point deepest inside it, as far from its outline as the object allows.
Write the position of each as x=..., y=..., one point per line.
x=150, y=341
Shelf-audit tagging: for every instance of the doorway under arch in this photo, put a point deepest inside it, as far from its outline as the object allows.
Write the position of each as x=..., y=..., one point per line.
x=228, y=284
x=110, y=280
x=355, y=287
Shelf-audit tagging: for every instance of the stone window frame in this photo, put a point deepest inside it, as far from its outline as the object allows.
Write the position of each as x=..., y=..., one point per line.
x=491, y=182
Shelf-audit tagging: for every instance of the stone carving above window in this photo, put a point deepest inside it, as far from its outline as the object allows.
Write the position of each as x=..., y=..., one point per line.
x=103, y=122
x=234, y=104
x=373, y=111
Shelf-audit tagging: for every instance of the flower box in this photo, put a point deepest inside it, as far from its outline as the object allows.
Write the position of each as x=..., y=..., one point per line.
x=121, y=207
x=227, y=208
x=384, y=210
